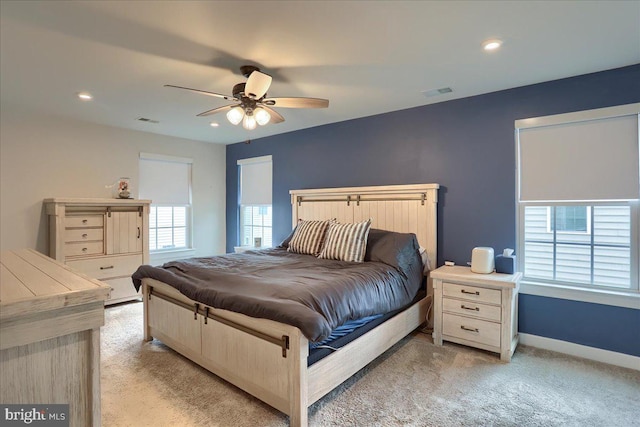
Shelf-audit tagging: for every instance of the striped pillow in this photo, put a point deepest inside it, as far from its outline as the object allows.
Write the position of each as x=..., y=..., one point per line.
x=308, y=237
x=346, y=242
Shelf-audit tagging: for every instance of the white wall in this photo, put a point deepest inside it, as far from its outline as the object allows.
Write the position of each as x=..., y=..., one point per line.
x=43, y=156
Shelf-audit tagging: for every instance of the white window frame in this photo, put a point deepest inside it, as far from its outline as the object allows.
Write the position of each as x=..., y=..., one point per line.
x=187, y=229
x=600, y=295
x=188, y=249
x=241, y=163
x=264, y=244
x=550, y=230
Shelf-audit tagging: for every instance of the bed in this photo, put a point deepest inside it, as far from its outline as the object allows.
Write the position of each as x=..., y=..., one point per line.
x=270, y=359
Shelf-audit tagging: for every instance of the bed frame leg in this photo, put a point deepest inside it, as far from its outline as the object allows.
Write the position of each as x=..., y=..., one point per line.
x=145, y=308
x=298, y=386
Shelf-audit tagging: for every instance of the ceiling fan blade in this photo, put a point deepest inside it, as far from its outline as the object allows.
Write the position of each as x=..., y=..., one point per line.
x=217, y=110
x=275, y=116
x=296, y=102
x=204, y=92
x=257, y=85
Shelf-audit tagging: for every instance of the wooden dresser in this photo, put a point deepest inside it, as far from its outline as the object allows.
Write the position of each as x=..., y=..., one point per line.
x=107, y=239
x=478, y=310
x=50, y=319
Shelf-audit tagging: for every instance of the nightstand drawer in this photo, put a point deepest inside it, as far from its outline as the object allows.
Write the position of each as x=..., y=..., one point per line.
x=480, y=331
x=472, y=293
x=466, y=308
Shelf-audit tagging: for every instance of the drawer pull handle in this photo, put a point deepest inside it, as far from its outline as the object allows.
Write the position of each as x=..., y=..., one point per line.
x=470, y=308
x=470, y=293
x=84, y=236
x=469, y=329
x=84, y=221
x=85, y=249
x=107, y=267
x=138, y=232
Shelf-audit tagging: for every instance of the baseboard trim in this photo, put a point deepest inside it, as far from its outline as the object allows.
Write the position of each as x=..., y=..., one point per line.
x=591, y=353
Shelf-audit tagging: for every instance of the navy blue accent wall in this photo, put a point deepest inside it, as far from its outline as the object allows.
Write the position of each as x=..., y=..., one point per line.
x=465, y=145
x=593, y=325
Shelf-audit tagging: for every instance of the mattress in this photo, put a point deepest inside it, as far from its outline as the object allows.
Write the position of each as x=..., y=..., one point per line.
x=351, y=331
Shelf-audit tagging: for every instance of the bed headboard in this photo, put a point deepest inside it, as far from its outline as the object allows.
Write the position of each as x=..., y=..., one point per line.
x=402, y=208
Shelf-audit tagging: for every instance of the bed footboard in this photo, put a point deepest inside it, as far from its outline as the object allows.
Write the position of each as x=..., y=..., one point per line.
x=264, y=358
x=240, y=349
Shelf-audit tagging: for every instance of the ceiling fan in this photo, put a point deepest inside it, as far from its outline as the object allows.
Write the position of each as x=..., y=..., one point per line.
x=252, y=107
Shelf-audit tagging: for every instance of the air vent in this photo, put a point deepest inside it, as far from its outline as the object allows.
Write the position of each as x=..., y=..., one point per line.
x=144, y=119
x=436, y=92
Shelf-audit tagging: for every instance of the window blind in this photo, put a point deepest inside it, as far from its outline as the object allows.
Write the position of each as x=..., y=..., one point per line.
x=166, y=180
x=572, y=157
x=255, y=181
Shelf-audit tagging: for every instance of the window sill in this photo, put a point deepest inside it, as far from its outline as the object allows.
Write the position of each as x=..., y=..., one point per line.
x=627, y=299
x=160, y=257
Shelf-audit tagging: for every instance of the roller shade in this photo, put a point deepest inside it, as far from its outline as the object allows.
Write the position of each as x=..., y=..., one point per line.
x=585, y=160
x=165, y=180
x=255, y=181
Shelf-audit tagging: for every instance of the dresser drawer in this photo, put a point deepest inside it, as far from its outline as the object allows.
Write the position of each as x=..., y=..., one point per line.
x=476, y=330
x=103, y=268
x=73, y=221
x=467, y=308
x=83, y=248
x=472, y=293
x=121, y=289
x=82, y=235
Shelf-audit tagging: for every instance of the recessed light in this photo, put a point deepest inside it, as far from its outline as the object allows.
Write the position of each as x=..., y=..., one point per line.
x=492, y=44
x=436, y=92
x=214, y=124
x=144, y=119
x=85, y=96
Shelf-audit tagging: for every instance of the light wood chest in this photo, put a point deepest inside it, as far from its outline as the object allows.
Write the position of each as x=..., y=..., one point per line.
x=106, y=239
x=50, y=319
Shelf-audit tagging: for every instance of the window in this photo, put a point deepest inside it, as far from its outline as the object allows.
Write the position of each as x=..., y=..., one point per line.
x=578, y=185
x=256, y=223
x=166, y=181
x=255, y=210
x=593, y=250
x=167, y=227
x=569, y=219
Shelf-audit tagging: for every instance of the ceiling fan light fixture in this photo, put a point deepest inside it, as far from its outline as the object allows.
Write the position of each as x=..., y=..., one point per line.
x=262, y=116
x=235, y=115
x=249, y=122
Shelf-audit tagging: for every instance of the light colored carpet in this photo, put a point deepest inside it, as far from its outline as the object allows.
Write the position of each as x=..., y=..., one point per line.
x=414, y=384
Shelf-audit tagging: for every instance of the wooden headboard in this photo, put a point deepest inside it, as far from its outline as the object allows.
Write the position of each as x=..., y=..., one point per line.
x=402, y=208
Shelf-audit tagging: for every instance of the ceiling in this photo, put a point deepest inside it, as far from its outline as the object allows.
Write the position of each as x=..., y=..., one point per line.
x=366, y=57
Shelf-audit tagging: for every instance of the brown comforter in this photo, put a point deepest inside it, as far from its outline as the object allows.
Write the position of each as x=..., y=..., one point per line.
x=314, y=295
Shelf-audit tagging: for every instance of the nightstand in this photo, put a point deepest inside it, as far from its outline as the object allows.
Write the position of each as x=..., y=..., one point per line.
x=478, y=310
